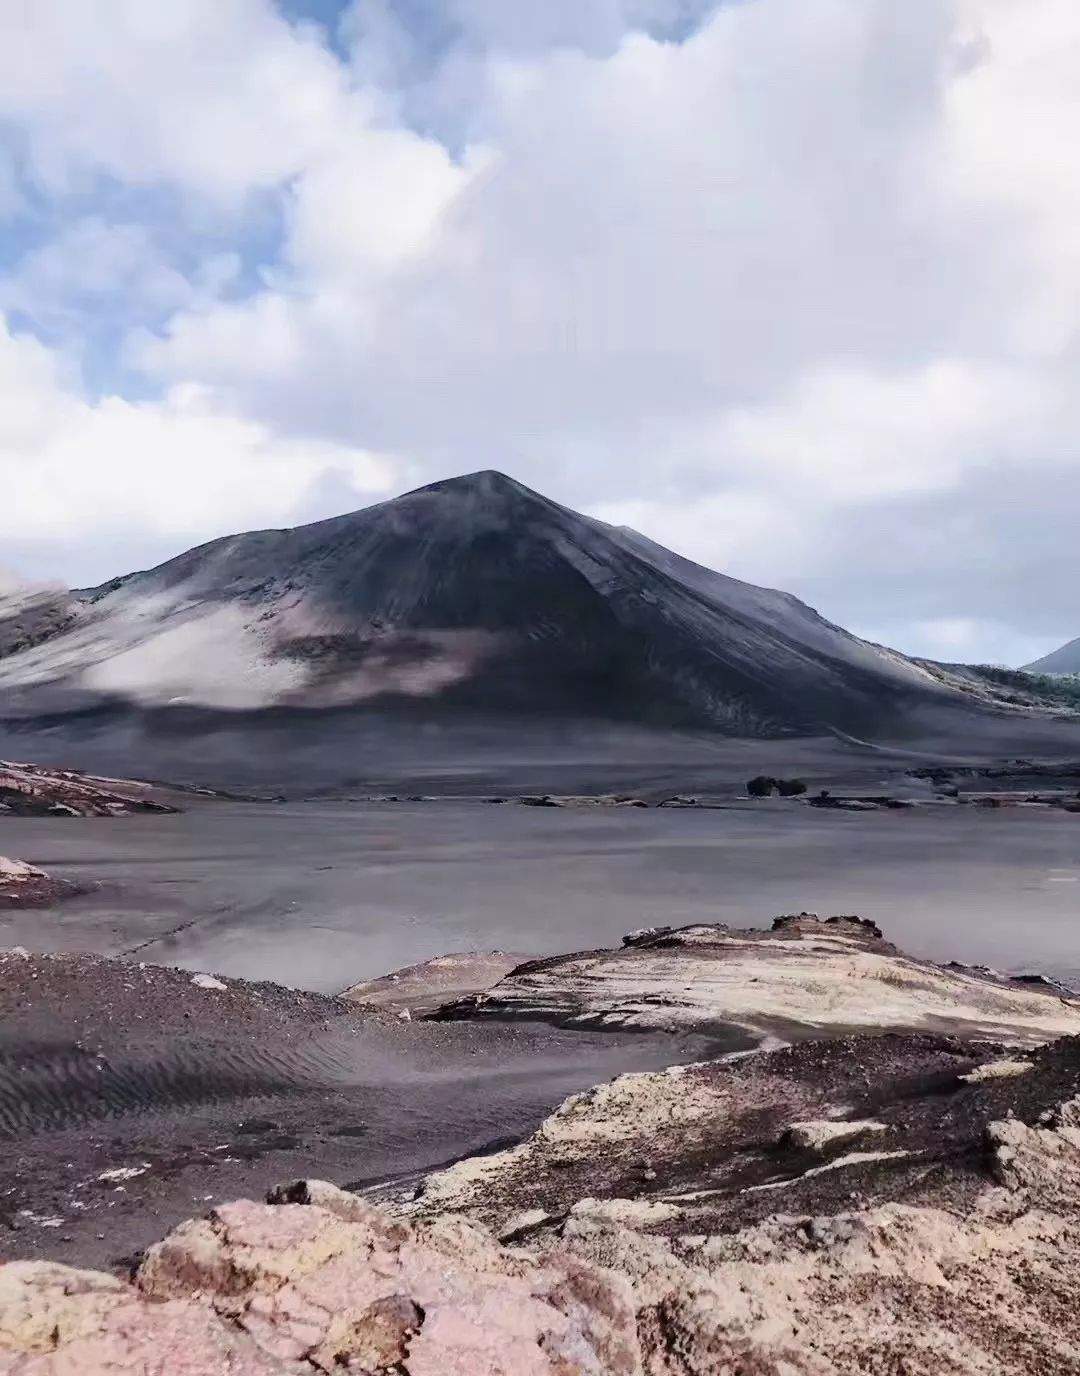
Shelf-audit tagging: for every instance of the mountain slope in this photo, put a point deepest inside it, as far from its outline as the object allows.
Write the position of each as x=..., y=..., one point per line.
x=474, y=592
x=1064, y=660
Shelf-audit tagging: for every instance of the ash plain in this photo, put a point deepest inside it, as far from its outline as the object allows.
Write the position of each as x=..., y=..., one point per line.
x=322, y=894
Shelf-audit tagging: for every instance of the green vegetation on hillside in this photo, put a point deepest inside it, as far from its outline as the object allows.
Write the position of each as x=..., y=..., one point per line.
x=1058, y=690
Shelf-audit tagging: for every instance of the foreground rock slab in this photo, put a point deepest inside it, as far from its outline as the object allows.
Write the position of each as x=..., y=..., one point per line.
x=895, y=1202
x=807, y=976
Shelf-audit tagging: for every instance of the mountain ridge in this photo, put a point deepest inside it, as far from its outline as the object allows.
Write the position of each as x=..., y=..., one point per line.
x=471, y=591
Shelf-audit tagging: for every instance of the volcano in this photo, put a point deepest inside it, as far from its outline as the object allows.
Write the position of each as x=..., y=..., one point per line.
x=471, y=593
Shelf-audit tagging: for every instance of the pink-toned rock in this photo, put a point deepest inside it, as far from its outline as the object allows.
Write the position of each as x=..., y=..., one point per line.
x=329, y=1280
x=321, y=1286
x=57, y=1321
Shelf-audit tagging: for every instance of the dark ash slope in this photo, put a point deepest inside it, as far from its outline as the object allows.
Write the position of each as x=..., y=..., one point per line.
x=472, y=594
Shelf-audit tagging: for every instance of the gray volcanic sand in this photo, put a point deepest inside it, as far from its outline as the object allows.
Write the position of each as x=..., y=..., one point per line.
x=319, y=895
x=131, y=1098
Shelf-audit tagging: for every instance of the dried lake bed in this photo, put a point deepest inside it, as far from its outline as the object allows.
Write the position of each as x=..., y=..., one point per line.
x=320, y=894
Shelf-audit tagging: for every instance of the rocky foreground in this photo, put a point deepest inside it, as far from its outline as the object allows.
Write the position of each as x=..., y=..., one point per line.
x=927, y=1222
x=886, y=1201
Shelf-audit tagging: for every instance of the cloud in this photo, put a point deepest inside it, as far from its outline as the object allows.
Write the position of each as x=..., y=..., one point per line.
x=791, y=284
x=369, y=202
x=166, y=474
x=217, y=96
x=434, y=64
x=965, y=640
x=90, y=272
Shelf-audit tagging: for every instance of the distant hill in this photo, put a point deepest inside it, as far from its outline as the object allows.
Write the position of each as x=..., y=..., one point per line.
x=473, y=593
x=1065, y=660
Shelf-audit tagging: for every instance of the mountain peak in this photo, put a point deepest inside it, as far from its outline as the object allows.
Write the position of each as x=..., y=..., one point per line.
x=484, y=483
x=474, y=592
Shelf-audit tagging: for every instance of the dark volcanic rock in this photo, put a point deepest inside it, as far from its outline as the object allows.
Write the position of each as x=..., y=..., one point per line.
x=800, y=922
x=98, y=1001
x=475, y=593
x=25, y=886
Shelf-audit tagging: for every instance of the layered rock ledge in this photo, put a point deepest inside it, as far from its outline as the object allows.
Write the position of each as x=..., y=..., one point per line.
x=427, y=986
x=33, y=790
x=806, y=977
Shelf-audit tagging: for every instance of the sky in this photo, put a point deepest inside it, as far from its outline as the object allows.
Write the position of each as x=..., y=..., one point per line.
x=792, y=286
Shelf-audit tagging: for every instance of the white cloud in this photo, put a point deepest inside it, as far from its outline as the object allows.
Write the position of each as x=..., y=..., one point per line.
x=217, y=96
x=371, y=200
x=1010, y=124
x=798, y=294
x=596, y=28
x=178, y=470
x=674, y=222
x=736, y=531
x=88, y=270
x=845, y=433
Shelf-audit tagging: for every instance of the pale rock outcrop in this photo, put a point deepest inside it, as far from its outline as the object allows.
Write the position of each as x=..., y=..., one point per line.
x=805, y=977
x=997, y=1070
x=709, y=1147
x=826, y=1132
x=34, y=790
x=427, y=986
x=55, y=1320
x=18, y=871
x=980, y=1283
